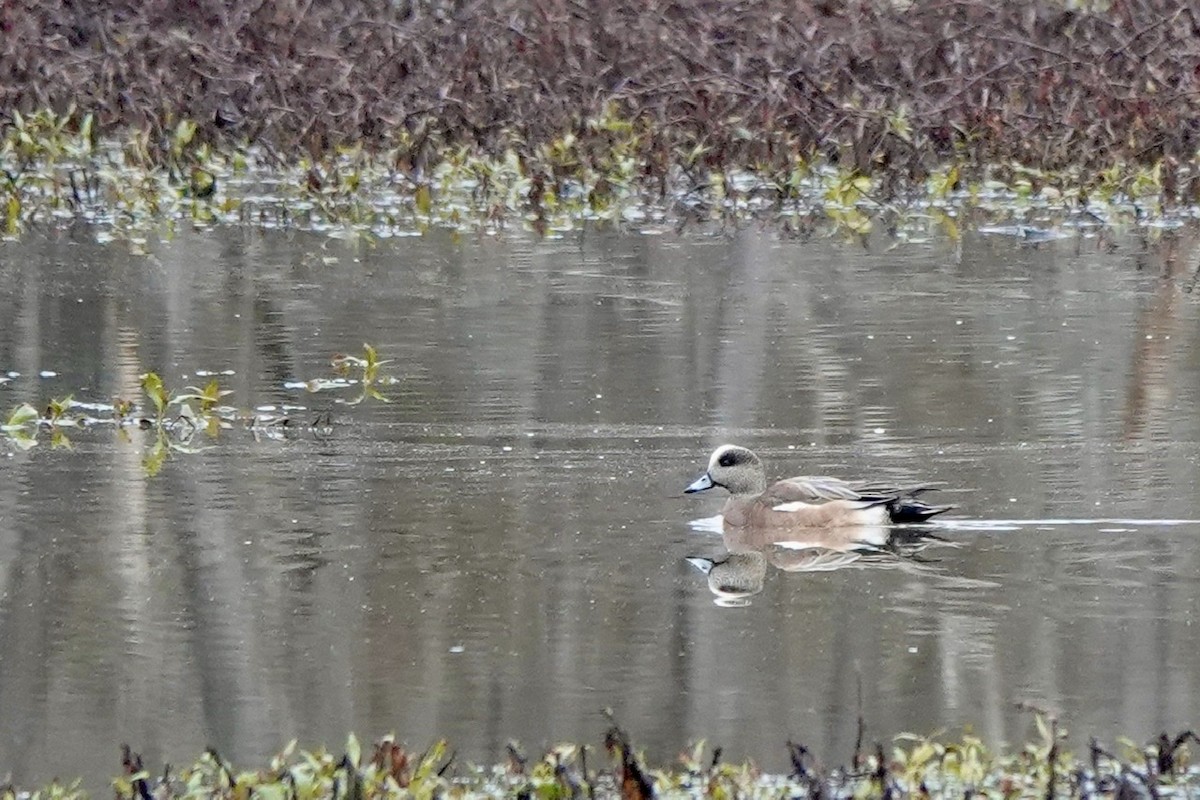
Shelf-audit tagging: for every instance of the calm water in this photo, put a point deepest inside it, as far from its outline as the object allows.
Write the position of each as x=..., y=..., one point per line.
x=500, y=552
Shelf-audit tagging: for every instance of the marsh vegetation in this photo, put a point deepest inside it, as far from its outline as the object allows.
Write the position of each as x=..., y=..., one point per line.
x=394, y=116
x=912, y=767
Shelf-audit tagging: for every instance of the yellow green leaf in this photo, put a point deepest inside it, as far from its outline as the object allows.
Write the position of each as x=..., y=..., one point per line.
x=152, y=385
x=12, y=214
x=423, y=199
x=21, y=415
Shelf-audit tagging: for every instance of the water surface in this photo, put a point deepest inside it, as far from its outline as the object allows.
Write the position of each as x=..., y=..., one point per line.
x=500, y=551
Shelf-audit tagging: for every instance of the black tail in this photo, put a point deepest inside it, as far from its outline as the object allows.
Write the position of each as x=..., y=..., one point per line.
x=909, y=509
x=902, y=503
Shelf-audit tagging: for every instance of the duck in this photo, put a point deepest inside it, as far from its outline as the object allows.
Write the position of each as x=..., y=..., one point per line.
x=804, y=502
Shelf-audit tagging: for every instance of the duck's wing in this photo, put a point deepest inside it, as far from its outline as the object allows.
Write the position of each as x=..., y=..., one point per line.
x=792, y=494
x=816, y=490
x=866, y=489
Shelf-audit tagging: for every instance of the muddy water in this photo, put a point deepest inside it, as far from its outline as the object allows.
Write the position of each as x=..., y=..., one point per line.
x=500, y=552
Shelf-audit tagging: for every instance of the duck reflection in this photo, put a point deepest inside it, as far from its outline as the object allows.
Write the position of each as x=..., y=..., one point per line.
x=734, y=578
x=741, y=572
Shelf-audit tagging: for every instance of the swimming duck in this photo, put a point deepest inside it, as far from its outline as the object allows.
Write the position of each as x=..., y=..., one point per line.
x=803, y=502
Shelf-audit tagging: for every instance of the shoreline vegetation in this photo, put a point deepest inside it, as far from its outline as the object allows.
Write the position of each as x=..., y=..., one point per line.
x=913, y=766
x=391, y=117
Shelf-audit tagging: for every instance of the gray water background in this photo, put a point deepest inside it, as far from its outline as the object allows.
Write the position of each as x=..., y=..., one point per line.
x=499, y=553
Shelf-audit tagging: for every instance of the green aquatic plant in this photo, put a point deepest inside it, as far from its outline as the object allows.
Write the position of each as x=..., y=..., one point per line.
x=173, y=421
x=24, y=423
x=52, y=791
x=56, y=410
x=21, y=426
x=160, y=449
x=206, y=398
x=609, y=167
x=175, y=433
x=156, y=392
x=57, y=419
x=362, y=371
x=57, y=168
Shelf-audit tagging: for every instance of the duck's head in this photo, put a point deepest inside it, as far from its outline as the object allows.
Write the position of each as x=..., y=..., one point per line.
x=735, y=468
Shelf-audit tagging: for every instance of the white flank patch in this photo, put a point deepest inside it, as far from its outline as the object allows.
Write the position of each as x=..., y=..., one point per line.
x=800, y=544
x=790, y=507
x=708, y=524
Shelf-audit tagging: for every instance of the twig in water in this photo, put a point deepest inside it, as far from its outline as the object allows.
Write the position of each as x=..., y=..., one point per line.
x=516, y=759
x=1052, y=752
x=856, y=763
x=228, y=773
x=635, y=785
x=881, y=775
x=587, y=780
x=449, y=760
x=1167, y=748
x=132, y=763
x=797, y=752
